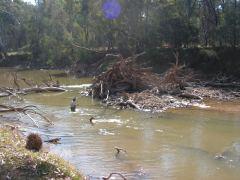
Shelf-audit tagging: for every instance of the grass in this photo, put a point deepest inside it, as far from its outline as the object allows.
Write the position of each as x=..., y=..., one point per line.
x=16, y=162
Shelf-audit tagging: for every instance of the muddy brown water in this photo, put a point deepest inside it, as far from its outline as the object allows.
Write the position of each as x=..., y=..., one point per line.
x=178, y=144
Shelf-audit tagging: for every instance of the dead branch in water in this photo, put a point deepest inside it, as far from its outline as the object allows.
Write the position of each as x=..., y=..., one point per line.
x=26, y=110
x=43, y=89
x=49, y=86
x=4, y=92
x=110, y=175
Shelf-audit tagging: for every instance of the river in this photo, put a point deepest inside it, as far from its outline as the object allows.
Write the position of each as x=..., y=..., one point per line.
x=177, y=144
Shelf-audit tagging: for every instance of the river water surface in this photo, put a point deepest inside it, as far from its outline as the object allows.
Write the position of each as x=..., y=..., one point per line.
x=178, y=144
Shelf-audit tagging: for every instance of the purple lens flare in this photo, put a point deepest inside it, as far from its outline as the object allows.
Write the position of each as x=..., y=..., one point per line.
x=111, y=9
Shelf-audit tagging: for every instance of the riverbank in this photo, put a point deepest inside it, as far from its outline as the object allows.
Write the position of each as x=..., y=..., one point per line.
x=16, y=162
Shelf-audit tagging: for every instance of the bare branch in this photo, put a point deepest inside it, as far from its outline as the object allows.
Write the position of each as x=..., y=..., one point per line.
x=110, y=175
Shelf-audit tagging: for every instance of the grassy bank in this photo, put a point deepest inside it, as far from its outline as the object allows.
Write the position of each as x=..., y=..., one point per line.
x=16, y=162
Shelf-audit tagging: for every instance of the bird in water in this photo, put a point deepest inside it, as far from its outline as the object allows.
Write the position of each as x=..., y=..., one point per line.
x=118, y=149
x=54, y=141
x=91, y=120
x=73, y=104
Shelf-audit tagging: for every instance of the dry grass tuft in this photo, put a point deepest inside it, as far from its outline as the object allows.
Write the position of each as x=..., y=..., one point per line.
x=34, y=142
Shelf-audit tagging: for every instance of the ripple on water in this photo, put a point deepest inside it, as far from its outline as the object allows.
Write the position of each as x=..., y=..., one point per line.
x=134, y=127
x=105, y=132
x=116, y=121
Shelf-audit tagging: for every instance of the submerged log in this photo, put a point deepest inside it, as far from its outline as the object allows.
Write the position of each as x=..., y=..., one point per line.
x=43, y=89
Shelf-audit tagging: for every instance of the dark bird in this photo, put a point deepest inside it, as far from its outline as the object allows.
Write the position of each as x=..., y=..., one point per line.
x=119, y=150
x=91, y=120
x=53, y=141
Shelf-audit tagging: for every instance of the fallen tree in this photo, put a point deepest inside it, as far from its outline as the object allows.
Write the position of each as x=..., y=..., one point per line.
x=33, y=87
x=43, y=89
x=17, y=91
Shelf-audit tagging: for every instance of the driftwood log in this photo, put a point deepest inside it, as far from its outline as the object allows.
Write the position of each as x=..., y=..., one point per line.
x=47, y=86
x=43, y=89
x=13, y=92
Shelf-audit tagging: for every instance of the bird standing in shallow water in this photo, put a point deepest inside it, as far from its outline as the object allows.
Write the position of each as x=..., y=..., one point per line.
x=73, y=104
x=91, y=120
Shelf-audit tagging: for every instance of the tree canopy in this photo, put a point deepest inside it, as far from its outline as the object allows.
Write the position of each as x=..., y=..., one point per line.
x=49, y=29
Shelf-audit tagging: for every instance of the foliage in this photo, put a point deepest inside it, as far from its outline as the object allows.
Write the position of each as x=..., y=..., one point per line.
x=49, y=28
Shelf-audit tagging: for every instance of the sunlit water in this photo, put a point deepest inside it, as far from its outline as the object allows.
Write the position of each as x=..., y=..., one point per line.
x=179, y=144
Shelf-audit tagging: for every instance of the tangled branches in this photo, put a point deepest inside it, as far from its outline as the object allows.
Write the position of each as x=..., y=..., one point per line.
x=127, y=85
x=26, y=110
x=123, y=76
x=126, y=76
x=46, y=86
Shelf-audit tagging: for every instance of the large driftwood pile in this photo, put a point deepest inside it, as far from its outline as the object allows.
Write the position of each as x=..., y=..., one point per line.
x=123, y=76
x=126, y=77
x=127, y=85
